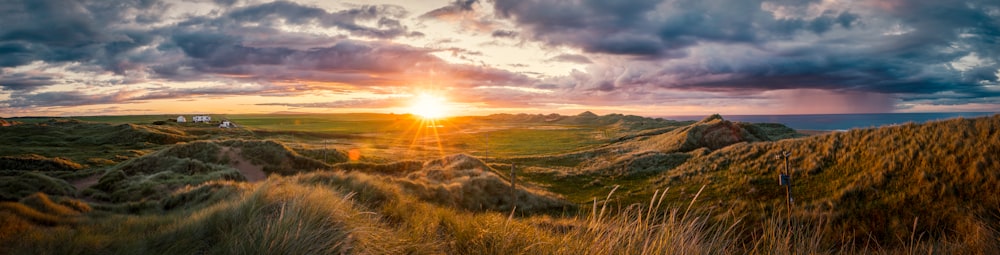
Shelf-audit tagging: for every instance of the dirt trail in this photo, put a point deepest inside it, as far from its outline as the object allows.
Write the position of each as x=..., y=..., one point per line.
x=253, y=173
x=84, y=183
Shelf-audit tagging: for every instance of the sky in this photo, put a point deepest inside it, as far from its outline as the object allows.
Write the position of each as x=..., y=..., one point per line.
x=643, y=57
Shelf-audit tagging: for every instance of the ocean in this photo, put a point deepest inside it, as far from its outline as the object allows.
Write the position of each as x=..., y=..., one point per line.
x=843, y=121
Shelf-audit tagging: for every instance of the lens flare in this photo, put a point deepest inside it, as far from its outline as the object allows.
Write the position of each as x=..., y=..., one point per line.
x=429, y=106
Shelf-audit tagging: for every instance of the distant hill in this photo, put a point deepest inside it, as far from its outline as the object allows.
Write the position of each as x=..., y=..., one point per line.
x=665, y=145
x=622, y=122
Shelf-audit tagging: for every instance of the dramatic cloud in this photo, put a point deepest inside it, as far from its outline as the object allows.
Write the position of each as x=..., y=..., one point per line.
x=654, y=28
x=20, y=81
x=645, y=56
x=70, y=98
x=894, y=48
x=250, y=44
x=387, y=25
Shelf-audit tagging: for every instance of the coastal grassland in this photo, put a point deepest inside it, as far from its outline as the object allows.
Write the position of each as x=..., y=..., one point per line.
x=524, y=141
x=69, y=144
x=706, y=187
x=354, y=123
x=155, y=175
x=357, y=213
x=15, y=185
x=862, y=189
x=870, y=186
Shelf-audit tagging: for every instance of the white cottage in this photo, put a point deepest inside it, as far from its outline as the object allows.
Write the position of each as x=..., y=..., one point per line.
x=226, y=124
x=202, y=118
x=181, y=119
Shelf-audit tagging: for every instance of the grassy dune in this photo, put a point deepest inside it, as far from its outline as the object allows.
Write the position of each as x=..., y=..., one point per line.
x=651, y=187
x=938, y=180
x=336, y=212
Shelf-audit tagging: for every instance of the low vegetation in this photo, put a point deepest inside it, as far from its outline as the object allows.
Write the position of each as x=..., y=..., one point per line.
x=35, y=162
x=638, y=186
x=871, y=185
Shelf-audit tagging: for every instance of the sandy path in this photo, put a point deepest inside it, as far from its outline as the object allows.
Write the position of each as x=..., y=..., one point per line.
x=84, y=183
x=253, y=173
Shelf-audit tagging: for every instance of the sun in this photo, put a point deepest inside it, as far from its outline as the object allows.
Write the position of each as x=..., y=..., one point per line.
x=429, y=106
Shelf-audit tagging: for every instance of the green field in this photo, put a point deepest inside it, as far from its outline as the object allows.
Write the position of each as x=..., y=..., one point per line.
x=586, y=184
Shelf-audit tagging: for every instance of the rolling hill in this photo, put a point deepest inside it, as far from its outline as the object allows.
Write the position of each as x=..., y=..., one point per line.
x=653, y=186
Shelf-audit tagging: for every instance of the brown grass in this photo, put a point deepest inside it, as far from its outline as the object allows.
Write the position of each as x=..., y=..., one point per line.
x=870, y=184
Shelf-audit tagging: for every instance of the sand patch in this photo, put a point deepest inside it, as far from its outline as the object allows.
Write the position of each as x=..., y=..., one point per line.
x=253, y=173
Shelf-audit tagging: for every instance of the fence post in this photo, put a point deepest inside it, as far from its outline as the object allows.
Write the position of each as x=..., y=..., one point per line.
x=513, y=188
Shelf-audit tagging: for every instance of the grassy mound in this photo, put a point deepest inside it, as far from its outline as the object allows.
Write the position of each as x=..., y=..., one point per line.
x=155, y=176
x=398, y=168
x=713, y=132
x=15, y=185
x=275, y=217
x=132, y=133
x=325, y=155
x=276, y=157
x=35, y=162
x=459, y=181
x=465, y=182
x=357, y=213
x=84, y=142
x=657, y=150
x=19, y=220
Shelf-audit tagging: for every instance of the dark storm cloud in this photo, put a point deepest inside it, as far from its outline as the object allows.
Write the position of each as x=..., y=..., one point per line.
x=57, y=31
x=15, y=54
x=101, y=33
x=654, y=28
x=25, y=82
x=889, y=47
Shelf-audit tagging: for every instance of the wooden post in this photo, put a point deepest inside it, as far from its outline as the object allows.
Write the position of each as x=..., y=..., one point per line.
x=788, y=200
x=513, y=188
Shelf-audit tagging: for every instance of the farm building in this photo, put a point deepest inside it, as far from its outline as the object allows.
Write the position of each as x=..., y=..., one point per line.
x=202, y=118
x=226, y=124
x=181, y=119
